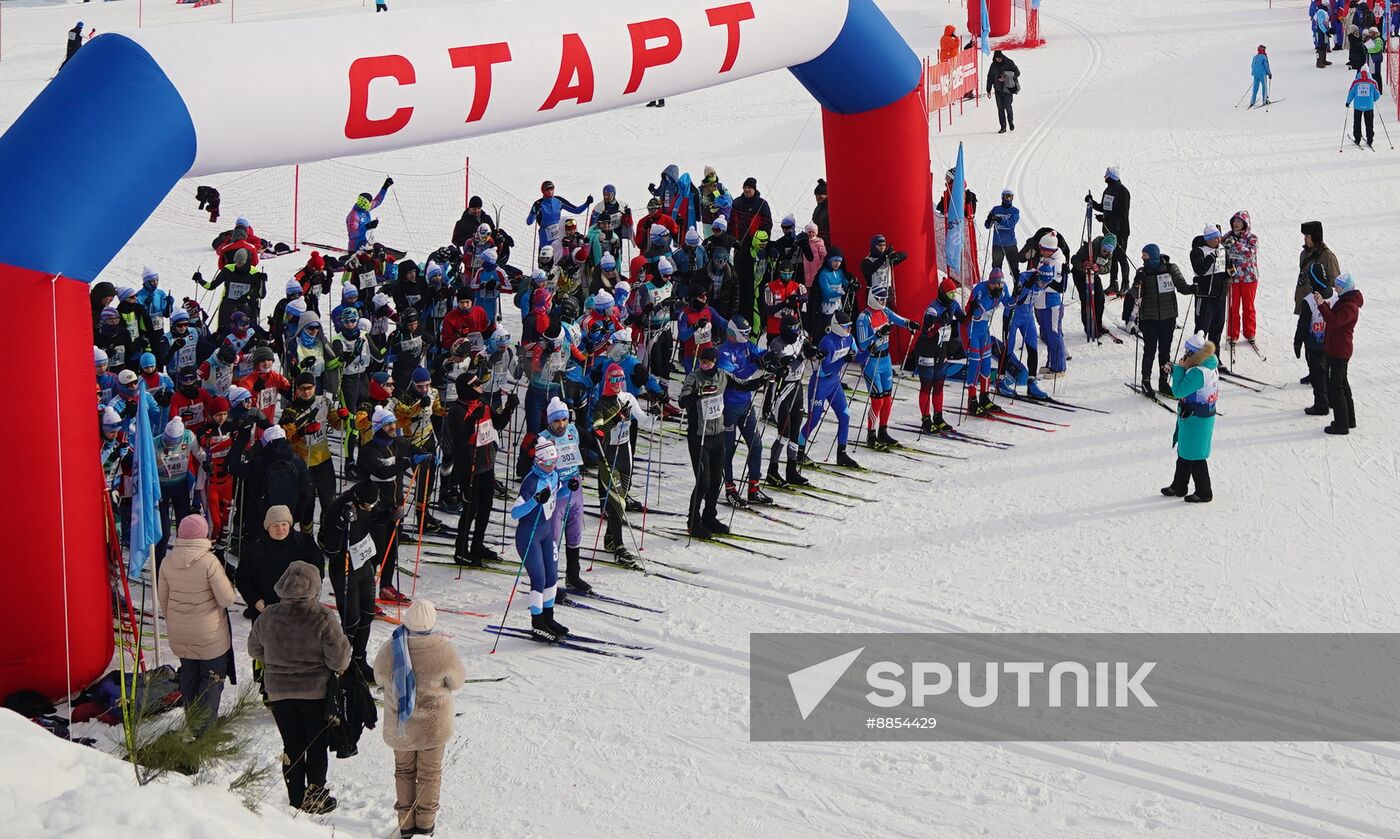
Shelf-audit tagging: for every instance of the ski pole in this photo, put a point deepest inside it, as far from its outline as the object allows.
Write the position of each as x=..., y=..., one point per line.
x=1246, y=93
x=516, y=582
x=1342, y=145
x=1386, y=130
x=646, y=488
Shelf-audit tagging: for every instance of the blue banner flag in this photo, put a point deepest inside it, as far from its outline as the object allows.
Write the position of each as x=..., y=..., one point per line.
x=955, y=212
x=145, y=500
x=986, y=31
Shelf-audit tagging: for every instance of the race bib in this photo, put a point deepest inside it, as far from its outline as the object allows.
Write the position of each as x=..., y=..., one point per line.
x=237, y=291
x=476, y=342
x=712, y=407
x=267, y=397
x=1164, y=284
x=621, y=433
x=185, y=355
x=1107, y=203
x=361, y=552
x=551, y=232
x=486, y=433
x=193, y=413
x=702, y=334
x=569, y=457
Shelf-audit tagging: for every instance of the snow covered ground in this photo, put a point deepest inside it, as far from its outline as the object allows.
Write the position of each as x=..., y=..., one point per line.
x=1065, y=532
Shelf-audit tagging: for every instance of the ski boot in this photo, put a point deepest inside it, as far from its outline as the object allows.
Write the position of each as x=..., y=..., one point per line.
x=794, y=476
x=1164, y=384
x=635, y=506
x=872, y=440
x=843, y=459
x=756, y=494
x=803, y=459
x=451, y=502
x=773, y=477
x=469, y=561
x=485, y=554
x=698, y=530
x=732, y=496
x=431, y=525
x=1112, y=290
x=391, y=594
x=1033, y=390
x=715, y=526
x=501, y=491
x=1147, y=386
x=669, y=411
x=1006, y=387
x=621, y=555
x=559, y=629
x=541, y=630
x=572, y=580
x=938, y=425
x=885, y=439
x=317, y=801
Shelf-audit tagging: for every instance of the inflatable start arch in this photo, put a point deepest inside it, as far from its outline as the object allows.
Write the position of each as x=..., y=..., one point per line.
x=130, y=115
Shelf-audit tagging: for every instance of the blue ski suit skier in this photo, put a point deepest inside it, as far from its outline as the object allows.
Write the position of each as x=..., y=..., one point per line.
x=1259, y=70
x=158, y=302
x=825, y=386
x=1050, y=307
x=931, y=354
x=547, y=210
x=534, y=540
x=1321, y=26
x=1032, y=285
x=873, y=327
x=358, y=223
x=567, y=519
x=1362, y=99
x=982, y=304
x=1002, y=221
x=739, y=357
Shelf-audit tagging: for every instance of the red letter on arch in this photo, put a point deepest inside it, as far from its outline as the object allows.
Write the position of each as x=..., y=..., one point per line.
x=644, y=57
x=573, y=62
x=480, y=57
x=730, y=17
x=358, y=125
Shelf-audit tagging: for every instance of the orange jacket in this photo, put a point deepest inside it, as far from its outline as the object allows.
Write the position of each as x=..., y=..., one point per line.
x=949, y=45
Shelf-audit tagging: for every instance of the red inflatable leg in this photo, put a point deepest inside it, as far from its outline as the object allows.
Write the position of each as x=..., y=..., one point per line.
x=56, y=629
x=877, y=173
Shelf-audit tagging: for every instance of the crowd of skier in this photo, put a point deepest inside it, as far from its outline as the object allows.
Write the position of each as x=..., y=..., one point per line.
x=381, y=394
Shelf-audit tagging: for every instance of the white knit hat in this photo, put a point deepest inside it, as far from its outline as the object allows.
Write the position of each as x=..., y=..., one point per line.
x=420, y=617
x=273, y=432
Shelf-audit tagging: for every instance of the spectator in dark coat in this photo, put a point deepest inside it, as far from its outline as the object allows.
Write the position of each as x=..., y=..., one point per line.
x=1341, y=316
x=820, y=217
x=1004, y=80
x=268, y=557
x=472, y=218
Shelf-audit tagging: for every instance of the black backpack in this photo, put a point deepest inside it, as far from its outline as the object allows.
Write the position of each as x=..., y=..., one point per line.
x=282, y=485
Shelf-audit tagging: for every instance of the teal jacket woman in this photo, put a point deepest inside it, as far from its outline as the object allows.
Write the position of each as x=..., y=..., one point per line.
x=1196, y=385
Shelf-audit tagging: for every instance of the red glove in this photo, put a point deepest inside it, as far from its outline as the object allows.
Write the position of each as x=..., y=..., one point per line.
x=311, y=428
x=342, y=412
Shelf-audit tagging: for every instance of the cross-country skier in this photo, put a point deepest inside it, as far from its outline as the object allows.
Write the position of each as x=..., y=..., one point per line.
x=986, y=296
x=1261, y=73
x=73, y=44
x=534, y=540
x=567, y=520
x=1113, y=211
x=702, y=395
x=1361, y=98
x=1090, y=263
x=1242, y=264
x=358, y=222
x=475, y=430
x=825, y=389
x=787, y=359
x=1211, y=283
x=614, y=418
x=547, y=211
x=1002, y=220
x=739, y=357
x=1030, y=287
x=878, y=267
x=1155, y=288
x=872, y=336
x=1040, y=250
x=932, y=352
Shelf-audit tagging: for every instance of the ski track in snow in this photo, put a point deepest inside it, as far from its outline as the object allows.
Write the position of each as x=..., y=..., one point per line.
x=1065, y=532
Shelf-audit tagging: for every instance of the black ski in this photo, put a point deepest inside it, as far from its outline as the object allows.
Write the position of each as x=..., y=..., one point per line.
x=583, y=639
x=1237, y=381
x=722, y=540
x=513, y=632
x=1138, y=390
x=616, y=601
x=1233, y=375
x=573, y=603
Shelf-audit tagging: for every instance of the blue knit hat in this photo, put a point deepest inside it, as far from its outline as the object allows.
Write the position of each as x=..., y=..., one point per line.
x=421, y=375
x=146, y=360
x=1152, y=257
x=1344, y=283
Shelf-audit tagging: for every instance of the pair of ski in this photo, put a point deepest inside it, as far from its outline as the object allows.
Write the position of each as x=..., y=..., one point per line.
x=855, y=473
x=1008, y=418
x=956, y=436
x=1138, y=390
x=1247, y=382
x=733, y=542
x=578, y=643
x=1266, y=103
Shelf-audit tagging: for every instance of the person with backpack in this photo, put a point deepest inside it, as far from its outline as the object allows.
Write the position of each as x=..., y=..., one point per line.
x=1003, y=79
x=419, y=671
x=301, y=645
